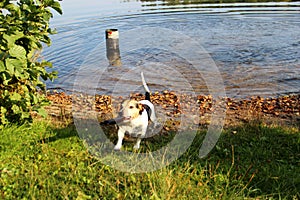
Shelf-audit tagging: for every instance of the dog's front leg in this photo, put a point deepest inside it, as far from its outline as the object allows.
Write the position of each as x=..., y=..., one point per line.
x=121, y=134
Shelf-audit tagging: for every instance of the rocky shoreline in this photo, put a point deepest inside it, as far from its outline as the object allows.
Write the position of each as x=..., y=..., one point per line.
x=284, y=110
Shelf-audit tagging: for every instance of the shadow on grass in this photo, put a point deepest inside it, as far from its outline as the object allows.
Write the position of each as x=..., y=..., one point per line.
x=264, y=160
x=61, y=133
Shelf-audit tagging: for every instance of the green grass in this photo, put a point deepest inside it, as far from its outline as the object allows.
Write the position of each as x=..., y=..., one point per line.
x=249, y=162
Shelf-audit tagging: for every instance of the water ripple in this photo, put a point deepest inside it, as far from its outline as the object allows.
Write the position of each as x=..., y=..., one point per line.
x=255, y=45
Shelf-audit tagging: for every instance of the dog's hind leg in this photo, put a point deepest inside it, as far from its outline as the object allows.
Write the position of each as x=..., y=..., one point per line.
x=139, y=139
x=137, y=144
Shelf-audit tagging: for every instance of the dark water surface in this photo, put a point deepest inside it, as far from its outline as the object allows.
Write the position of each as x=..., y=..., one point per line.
x=255, y=46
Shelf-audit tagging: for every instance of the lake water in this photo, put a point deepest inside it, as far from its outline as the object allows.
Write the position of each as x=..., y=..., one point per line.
x=247, y=48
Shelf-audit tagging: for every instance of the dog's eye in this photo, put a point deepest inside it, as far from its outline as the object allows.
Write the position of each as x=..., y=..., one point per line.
x=130, y=107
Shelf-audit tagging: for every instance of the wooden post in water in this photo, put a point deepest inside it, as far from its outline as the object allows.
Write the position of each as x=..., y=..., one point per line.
x=112, y=47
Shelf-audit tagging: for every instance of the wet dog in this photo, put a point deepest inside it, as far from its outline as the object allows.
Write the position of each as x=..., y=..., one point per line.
x=134, y=118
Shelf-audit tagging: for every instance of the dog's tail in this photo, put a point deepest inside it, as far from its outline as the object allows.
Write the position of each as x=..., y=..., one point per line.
x=145, y=87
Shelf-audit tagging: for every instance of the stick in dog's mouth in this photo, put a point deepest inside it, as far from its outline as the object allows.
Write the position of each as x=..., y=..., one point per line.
x=122, y=119
x=126, y=118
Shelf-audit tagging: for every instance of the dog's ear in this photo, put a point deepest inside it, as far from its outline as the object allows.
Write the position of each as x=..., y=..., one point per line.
x=140, y=107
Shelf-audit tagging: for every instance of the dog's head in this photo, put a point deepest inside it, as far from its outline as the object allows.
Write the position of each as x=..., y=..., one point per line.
x=131, y=109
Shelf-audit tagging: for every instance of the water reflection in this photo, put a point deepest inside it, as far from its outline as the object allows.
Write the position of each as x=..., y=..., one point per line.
x=256, y=46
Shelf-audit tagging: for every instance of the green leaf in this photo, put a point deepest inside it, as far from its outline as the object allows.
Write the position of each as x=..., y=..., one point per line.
x=6, y=77
x=11, y=64
x=2, y=66
x=52, y=31
x=53, y=75
x=26, y=7
x=16, y=109
x=11, y=39
x=3, y=110
x=3, y=3
x=46, y=16
x=18, y=51
x=15, y=97
x=56, y=6
x=12, y=7
x=45, y=63
x=34, y=99
x=25, y=115
x=46, y=40
x=34, y=45
x=20, y=73
x=25, y=89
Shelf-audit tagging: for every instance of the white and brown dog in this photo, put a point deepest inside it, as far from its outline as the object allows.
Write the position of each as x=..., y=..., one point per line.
x=134, y=118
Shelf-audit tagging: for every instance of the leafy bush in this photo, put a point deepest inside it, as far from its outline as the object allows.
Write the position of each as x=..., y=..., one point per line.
x=24, y=28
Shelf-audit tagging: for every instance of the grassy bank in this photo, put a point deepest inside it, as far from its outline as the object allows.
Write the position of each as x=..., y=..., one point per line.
x=249, y=162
